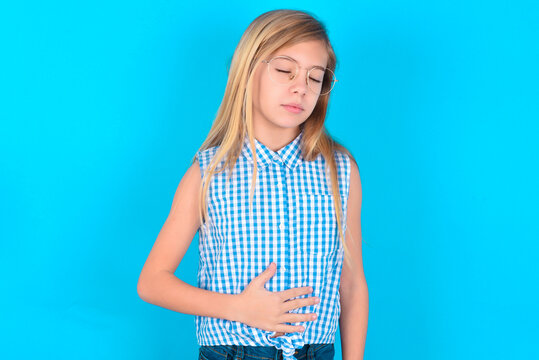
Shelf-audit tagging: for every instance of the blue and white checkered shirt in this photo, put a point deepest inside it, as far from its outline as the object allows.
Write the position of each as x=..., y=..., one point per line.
x=292, y=223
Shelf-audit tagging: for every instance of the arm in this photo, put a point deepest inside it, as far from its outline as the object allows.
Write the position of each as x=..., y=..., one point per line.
x=354, y=296
x=255, y=306
x=157, y=283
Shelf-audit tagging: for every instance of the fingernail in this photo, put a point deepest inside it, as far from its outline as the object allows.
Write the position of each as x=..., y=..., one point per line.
x=317, y=300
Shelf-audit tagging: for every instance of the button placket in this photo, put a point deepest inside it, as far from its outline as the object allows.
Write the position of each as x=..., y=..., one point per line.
x=283, y=215
x=286, y=220
x=280, y=196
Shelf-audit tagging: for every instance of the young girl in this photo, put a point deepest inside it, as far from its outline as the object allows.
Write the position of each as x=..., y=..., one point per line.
x=272, y=195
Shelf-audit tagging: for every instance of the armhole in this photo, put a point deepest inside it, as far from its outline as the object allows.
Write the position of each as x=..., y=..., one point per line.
x=200, y=163
x=347, y=175
x=199, y=159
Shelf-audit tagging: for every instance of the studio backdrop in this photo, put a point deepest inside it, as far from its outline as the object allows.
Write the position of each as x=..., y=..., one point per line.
x=103, y=105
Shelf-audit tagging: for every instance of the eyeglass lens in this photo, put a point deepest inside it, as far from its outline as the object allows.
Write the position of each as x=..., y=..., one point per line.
x=283, y=71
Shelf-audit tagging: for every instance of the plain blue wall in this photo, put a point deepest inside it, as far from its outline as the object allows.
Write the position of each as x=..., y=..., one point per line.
x=103, y=105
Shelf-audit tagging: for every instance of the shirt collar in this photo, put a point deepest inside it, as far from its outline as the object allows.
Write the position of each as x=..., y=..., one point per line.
x=290, y=154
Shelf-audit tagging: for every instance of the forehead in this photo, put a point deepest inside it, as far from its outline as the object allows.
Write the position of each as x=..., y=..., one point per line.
x=307, y=54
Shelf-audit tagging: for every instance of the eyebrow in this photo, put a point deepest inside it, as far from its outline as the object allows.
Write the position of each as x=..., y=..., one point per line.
x=308, y=67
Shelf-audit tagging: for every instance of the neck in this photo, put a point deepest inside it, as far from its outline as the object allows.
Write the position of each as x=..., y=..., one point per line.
x=275, y=138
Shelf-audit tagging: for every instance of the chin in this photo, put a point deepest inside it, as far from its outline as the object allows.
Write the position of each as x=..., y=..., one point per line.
x=289, y=123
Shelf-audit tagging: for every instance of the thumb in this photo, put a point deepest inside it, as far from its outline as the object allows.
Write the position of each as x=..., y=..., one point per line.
x=267, y=274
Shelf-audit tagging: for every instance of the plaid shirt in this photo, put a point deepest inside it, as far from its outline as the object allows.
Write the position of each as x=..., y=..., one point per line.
x=292, y=223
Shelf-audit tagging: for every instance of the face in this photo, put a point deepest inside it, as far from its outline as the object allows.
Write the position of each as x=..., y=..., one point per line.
x=270, y=112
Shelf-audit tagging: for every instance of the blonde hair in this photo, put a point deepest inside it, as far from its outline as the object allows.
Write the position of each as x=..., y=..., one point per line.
x=266, y=34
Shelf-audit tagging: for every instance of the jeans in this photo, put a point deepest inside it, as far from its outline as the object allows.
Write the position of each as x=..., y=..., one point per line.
x=240, y=352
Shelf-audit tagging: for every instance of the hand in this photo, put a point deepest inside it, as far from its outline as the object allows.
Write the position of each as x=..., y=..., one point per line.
x=267, y=310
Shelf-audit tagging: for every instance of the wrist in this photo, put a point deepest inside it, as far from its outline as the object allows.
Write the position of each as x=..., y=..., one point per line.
x=233, y=307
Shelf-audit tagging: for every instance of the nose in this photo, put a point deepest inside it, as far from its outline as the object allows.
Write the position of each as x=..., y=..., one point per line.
x=299, y=83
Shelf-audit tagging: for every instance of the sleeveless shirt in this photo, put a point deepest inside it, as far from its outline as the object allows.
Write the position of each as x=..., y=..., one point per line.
x=292, y=223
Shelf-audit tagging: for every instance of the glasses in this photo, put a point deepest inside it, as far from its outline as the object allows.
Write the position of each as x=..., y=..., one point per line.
x=283, y=70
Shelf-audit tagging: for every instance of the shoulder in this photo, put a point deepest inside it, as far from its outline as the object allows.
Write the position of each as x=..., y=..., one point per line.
x=205, y=155
x=341, y=157
x=355, y=181
x=349, y=169
x=343, y=162
x=192, y=175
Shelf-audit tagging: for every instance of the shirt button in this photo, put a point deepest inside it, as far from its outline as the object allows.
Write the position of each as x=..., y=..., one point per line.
x=276, y=158
x=281, y=226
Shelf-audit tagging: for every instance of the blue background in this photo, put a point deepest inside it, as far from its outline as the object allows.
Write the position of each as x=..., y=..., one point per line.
x=103, y=104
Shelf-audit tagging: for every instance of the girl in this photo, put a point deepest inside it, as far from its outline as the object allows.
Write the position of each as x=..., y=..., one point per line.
x=271, y=194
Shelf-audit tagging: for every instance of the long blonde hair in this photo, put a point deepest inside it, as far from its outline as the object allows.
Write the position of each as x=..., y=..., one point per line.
x=266, y=34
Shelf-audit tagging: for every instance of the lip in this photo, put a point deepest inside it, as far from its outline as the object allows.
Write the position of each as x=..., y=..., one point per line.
x=293, y=107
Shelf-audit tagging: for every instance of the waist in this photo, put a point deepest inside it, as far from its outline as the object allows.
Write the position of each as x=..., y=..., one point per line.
x=211, y=332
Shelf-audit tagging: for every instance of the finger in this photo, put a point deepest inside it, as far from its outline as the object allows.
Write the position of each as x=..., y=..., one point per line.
x=277, y=334
x=298, y=318
x=266, y=274
x=295, y=292
x=289, y=328
x=299, y=303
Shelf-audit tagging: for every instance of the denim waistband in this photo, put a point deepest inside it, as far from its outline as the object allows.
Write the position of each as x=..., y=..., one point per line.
x=240, y=352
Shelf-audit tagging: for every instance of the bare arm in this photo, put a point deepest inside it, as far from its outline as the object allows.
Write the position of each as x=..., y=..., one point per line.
x=255, y=306
x=157, y=283
x=353, y=289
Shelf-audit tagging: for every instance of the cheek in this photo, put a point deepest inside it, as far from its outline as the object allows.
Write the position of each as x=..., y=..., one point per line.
x=312, y=102
x=269, y=94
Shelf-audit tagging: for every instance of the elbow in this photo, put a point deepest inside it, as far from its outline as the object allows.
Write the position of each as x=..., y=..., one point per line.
x=142, y=289
x=149, y=285
x=356, y=287
x=362, y=287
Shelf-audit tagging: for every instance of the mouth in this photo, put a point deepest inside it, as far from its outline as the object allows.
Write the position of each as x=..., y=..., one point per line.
x=294, y=108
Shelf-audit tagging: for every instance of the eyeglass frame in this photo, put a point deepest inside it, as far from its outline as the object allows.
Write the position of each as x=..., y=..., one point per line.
x=298, y=67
